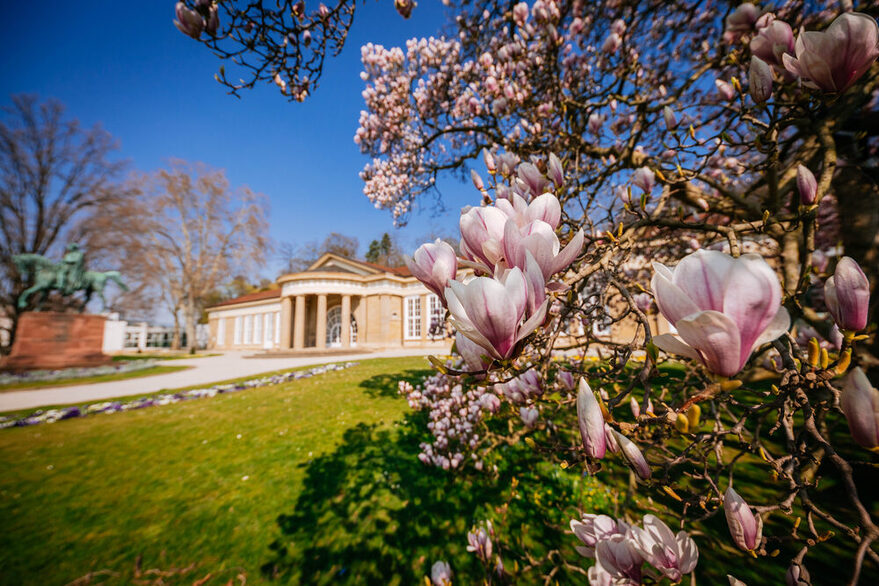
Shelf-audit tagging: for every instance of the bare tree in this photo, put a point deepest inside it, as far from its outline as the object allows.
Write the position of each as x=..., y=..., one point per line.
x=300, y=258
x=189, y=232
x=53, y=175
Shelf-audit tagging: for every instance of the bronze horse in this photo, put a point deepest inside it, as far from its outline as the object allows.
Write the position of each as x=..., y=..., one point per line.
x=49, y=276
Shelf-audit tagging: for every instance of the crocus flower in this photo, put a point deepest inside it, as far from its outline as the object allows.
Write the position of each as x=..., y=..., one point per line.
x=759, y=80
x=591, y=529
x=847, y=295
x=590, y=421
x=745, y=527
x=834, y=59
x=619, y=558
x=482, y=234
x=489, y=312
x=806, y=185
x=644, y=178
x=189, y=22
x=434, y=264
x=673, y=555
x=772, y=42
x=722, y=307
x=860, y=403
x=632, y=455
x=441, y=574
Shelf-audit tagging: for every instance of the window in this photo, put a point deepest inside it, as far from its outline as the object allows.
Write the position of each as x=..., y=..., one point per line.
x=277, y=327
x=237, y=334
x=270, y=322
x=436, y=325
x=413, y=318
x=257, y=328
x=221, y=332
x=248, y=329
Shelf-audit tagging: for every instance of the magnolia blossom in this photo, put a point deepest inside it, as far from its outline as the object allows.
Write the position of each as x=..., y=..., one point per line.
x=673, y=555
x=722, y=307
x=759, y=80
x=772, y=41
x=745, y=527
x=797, y=575
x=671, y=121
x=529, y=415
x=806, y=185
x=189, y=22
x=479, y=541
x=632, y=454
x=725, y=89
x=644, y=178
x=473, y=354
x=618, y=556
x=741, y=20
x=847, y=295
x=590, y=421
x=441, y=574
x=539, y=239
x=591, y=529
x=482, y=234
x=834, y=59
x=434, y=264
x=860, y=403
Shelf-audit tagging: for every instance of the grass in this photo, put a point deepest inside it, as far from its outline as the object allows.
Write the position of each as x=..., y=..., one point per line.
x=313, y=481
x=160, y=356
x=65, y=382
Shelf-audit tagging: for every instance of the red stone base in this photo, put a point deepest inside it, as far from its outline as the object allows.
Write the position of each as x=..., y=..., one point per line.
x=51, y=340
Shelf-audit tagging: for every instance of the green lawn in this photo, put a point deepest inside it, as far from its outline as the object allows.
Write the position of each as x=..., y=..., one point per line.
x=66, y=382
x=312, y=481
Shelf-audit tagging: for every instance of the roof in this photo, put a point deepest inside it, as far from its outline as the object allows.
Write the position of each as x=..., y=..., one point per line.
x=334, y=262
x=250, y=297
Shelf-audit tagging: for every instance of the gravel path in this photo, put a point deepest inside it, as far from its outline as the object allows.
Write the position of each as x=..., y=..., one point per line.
x=204, y=371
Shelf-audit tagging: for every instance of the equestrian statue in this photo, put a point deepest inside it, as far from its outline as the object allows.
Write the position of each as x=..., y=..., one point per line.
x=67, y=277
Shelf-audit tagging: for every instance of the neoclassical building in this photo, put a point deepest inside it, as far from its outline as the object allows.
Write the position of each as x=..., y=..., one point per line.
x=335, y=303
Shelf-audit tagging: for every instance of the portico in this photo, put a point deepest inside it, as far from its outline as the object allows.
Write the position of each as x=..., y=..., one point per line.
x=335, y=303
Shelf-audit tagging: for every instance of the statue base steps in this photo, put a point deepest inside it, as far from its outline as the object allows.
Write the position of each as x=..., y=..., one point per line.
x=52, y=340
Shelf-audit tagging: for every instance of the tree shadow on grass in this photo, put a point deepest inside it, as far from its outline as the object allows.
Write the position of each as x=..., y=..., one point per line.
x=385, y=385
x=372, y=513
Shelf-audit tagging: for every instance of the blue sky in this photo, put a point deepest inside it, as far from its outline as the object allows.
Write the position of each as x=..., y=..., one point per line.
x=125, y=65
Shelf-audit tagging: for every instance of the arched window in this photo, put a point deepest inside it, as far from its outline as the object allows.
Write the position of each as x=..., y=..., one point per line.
x=334, y=328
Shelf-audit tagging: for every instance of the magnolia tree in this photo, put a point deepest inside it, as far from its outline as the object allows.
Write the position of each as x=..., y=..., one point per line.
x=644, y=166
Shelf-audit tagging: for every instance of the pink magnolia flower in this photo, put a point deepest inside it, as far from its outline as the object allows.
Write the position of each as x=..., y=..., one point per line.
x=473, y=354
x=189, y=22
x=482, y=234
x=673, y=555
x=797, y=575
x=632, y=454
x=434, y=264
x=565, y=380
x=741, y=20
x=806, y=185
x=618, y=556
x=745, y=527
x=441, y=574
x=759, y=80
x=555, y=171
x=725, y=89
x=544, y=207
x=590, y=421
x=772, y=42
x=591, y=529
x=860, y=403
x=489, y=311
x=671, y=121
x=539, y=239
x=847, y=295
x=479, y=541
x=722, y=307
x=529, y=415
x=834, y=59
x=644, y=178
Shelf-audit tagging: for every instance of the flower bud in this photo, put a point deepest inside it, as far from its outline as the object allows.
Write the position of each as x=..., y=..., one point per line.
x=745, y=527
x=797, y=575
x=860, y=403
x=726, y=91
x=189, y=22
x=847, y=295
x=477, y=180
x=759, y=80
x=633, y=455
x=590, y=421
x=489, y=161
x=806, y=185
x=670, y=121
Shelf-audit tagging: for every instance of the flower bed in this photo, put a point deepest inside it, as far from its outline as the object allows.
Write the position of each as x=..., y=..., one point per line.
x=53, y=415
x=34, y=376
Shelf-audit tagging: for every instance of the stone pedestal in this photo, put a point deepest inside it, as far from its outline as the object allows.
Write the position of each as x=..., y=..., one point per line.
x=51, y=340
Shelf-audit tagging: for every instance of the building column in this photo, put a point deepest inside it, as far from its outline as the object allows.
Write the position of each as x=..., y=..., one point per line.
x=286, y=336
x=320, y=329
x=346, y=321
x=299, y=323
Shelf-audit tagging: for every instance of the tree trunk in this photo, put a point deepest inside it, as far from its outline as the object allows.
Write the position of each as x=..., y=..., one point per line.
x=175, y=339
x=191, y=320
